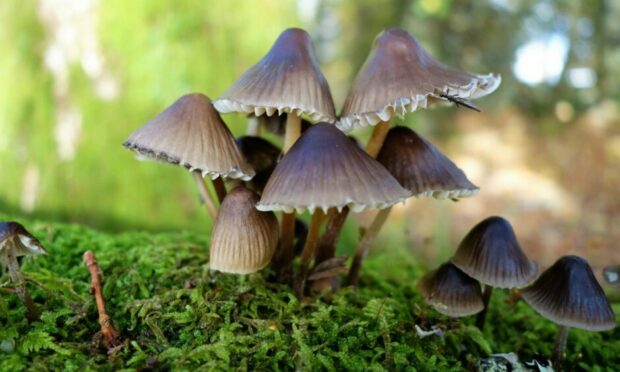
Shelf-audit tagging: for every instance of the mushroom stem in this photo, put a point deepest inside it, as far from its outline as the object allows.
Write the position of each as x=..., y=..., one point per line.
x=560, y=346
x=308, y=251
x=292, y=131
x=254, y=123
x=284, y=255
x=378, y=137
x=364, y=246
x=32, y=314
x=204, y=192
x=486, y=296
x=110, y=335
x=220, y=188
x=326, y=246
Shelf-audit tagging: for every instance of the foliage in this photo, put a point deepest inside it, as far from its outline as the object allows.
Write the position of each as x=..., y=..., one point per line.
x=174, y=313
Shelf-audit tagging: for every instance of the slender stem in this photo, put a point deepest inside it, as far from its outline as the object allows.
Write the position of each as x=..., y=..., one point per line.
x=204, y=192
x=220, y=188
x=308, y=252
x=486, y=297
x=364, y=246
x=110, y=335
x=284, y=256
x=32, y=314
x=253, y=126
x=326, y=247
x=560, y=345
x=293, y=131
x=378, y=137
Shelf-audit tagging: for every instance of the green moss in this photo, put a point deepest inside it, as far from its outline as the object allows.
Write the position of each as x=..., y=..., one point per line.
x=174, y=313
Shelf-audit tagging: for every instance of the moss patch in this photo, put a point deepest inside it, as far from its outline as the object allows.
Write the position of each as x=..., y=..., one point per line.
x=174, y=313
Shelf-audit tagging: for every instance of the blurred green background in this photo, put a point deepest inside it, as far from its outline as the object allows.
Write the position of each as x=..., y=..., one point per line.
x=78, y=76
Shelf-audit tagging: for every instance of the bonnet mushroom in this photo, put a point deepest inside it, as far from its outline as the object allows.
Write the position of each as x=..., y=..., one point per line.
x=190, y=133
x=16, y=241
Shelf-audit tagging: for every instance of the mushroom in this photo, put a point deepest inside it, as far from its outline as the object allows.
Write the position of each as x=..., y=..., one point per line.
x=191, y=133
x=323, y=170
x=243, y=239
x=286, y=80
x=568, y=294
x=398, y=77
x=490, y=253
x=262, y=156
x=451, y=292
x=16, y=241
x=420, y=168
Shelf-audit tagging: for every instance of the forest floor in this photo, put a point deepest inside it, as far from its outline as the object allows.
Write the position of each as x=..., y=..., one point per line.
x=175, y=313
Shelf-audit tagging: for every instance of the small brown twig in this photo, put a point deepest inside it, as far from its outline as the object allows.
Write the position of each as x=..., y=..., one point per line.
x=110, y=336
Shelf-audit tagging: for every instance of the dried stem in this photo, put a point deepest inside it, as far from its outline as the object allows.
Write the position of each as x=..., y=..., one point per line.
x=204, y=193
x=111, y=337
x=32, y=313
x=486, y=297
x=364, y=246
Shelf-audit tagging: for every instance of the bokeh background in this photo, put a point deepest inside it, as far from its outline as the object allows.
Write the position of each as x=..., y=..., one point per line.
x=78, y=76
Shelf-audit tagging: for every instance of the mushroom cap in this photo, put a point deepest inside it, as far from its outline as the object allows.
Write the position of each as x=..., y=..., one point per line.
x=243, y=239
x=14, y=235
x=399, y=76
x=421, y=168
x=262, y=155
x=191, y=133
x=451, y=292
x=325, y=169
x=490, y=253
x=568, y=294
x=287, y=79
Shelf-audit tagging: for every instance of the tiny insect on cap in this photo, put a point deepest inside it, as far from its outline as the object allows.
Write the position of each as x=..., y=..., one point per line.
x=14, y=236
x=286, y=80
x=421, y=168
x=451, y=292
x=244, y=239
x=191, y=133
x=490, y=253
x=399, y=76
x=325, y=169
x=568, y=294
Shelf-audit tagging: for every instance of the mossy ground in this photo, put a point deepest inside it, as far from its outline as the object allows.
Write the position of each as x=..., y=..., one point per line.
x=174, y=313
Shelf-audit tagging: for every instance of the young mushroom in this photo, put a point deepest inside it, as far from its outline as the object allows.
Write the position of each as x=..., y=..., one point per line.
x=16, y=241
x=191, y=133
x=451, y=292
x=420, y=168
x=262, y=156
x=569, y=295
x=323, y=170
x=243, y=239
x=490, y=253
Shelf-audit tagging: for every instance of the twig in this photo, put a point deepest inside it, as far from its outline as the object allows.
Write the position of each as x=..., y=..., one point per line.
x=110, y=336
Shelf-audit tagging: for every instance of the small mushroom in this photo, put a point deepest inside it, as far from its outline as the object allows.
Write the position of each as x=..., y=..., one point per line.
x=191, y=133
x=569, y=295
x=243, y=239
x=324, y=170
x=451, y=292
x=490, y=253
x=262, y=156
x=16, y=241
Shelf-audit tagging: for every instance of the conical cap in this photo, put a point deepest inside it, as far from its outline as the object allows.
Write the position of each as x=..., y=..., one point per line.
x=191, y=133
x=421, y=168
x=243, y=239
x=14, y=235
x=568, y=294
x=286, y=79
x=490, y=253
x=451, y=292
x=399, y=76
x=326, y=169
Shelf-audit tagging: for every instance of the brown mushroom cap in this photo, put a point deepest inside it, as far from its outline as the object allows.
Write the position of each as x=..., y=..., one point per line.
x=14, y=235
x=399, y=76
x=262, y=155
x=451, y=292
x=421, y=168
x=325, y=169
x=568, y=294
x=243, y=239
x=287, y=79
x=192, y=134
x=490, y=253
